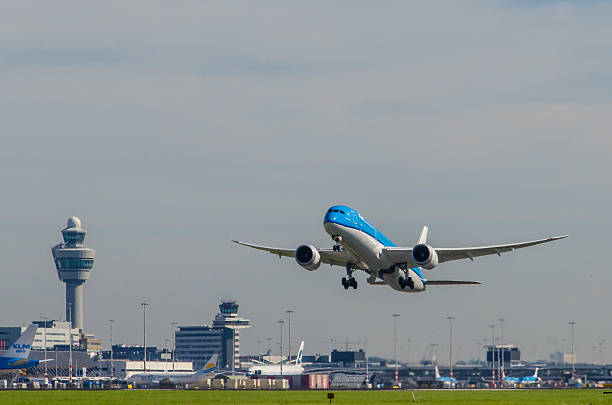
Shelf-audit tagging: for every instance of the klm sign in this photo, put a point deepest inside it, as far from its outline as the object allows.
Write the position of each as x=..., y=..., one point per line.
x=21, y=348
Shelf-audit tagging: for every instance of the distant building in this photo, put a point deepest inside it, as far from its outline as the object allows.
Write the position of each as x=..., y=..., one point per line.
x=135, y=353
x=73, y=262
x=569, y=358
x=123, y=368
x=347, y=358
x=198, y=343
x=510, y=355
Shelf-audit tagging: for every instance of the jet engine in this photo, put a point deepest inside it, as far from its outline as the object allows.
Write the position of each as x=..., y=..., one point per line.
x=425, y=256
x=308, y=257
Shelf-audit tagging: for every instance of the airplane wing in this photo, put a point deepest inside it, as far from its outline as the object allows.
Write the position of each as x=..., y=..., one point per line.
x=451, y=282
x=328, y=256
x=404, y=254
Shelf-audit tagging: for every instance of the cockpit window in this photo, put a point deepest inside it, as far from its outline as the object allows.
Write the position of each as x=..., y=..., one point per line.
x=329, y=210
x=334, y=210
x=342, y=212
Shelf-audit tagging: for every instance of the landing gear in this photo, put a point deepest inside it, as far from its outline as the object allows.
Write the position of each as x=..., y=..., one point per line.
x=337, y=247
x=406, y=282
x=350, y=281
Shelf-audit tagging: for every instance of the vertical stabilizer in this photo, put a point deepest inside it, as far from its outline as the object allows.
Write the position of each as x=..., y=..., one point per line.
x=21, y=348
x=535, y=374
x=437, y=373
x=210, y=366
x=298, y=359
x=423, y=235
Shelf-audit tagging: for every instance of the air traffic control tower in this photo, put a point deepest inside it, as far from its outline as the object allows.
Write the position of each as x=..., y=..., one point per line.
x=73, y=262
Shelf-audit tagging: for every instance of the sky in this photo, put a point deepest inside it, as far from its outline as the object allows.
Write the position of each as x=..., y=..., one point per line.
x=171, y=128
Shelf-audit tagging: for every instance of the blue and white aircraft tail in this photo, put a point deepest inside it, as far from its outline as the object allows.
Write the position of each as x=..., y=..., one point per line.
x=447, y=382
x=17, y=356
x=360, y=246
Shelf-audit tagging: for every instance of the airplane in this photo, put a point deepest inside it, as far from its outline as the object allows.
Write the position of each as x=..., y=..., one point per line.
x=447, y=382
x=17, y=356
x=360, y=246
x=206, y=372
x=275, y=369
x=525, y=381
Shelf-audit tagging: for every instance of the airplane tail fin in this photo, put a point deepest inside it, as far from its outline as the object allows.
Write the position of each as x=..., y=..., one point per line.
x=21, y=348
x=535, y=374
x=210, y=366
x=437, y=372
x=423, y=235
x=298, y=360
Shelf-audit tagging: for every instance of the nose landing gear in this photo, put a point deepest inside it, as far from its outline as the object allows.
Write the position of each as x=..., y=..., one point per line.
x=337, y=247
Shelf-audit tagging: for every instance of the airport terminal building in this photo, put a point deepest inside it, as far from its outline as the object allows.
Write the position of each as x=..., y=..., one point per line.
x=197, y=343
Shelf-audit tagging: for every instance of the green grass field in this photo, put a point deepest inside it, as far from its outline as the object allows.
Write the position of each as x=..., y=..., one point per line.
x=145, y=397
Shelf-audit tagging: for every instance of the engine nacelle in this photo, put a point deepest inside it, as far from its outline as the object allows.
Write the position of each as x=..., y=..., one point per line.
x=308, y=257
x=425, y=256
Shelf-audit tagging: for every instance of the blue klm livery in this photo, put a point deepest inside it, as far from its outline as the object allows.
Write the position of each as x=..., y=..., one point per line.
x=17, y=356
x=360, y=246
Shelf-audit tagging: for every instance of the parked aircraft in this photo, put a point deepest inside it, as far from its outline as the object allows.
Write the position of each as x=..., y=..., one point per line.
x=447, y=382
x=278, y=369
x=360, y=246
x=17, y=356
x=524, y=381
x=176, y=378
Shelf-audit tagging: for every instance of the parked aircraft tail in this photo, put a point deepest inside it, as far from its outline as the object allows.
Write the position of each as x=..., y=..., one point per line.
x=21, y=348
x=209, y=367
x=437, y=372
x=298, y=360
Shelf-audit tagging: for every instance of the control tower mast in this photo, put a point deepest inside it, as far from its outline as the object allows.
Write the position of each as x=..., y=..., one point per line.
x=73, y=262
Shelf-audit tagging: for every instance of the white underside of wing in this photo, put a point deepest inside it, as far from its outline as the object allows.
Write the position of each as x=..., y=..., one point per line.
x=404, y=254
x=328, y=256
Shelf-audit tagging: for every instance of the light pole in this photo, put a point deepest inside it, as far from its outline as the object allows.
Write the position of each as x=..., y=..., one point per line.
x=112, y=368
x=269, y=339
x=173, y=328
x=572, y=323
x=70, y=340
x=289, y=312
x=167, y=341
x=281, y=322
x=601, y=351
x=144, y=305
x=395, y=316
x=450, y=348
x=44, y=318
x=492, y=354
x=259, y=343
x=501, y=360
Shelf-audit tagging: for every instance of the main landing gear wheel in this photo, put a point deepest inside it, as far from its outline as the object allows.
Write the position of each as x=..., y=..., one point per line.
x=351, y=282
x=405, y=282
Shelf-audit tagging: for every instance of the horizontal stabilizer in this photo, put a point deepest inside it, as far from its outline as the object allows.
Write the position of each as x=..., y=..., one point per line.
x=451, y=282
